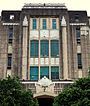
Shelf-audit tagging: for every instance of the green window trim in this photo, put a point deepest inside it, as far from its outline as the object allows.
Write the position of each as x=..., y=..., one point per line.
x=33, y=73
x=44, y=24
x=55, y=72
x=34, y=48
x=34, y=23
x=53, y=23
x=44, y=71
x=44, y=48
x=54, y=48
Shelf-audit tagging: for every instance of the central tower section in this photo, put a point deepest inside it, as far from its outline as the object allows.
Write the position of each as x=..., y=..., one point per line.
x=44, y=32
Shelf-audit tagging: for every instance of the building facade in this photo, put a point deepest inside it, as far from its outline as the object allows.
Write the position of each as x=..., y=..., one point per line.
x=45, y=42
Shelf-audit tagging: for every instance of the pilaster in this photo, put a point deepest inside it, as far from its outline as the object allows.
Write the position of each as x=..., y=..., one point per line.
x=64, y=49
x=24, y=48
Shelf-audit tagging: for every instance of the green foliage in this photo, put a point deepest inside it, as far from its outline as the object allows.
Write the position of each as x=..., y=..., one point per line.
x=77, y=94
x=12, y=94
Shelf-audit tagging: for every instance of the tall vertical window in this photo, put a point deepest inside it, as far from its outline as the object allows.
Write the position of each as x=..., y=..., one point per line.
x=44, y=24
x=33, y=73
x=34, y=23
x=53, y=23
x=11, y=17
x=77, y=17
x=44, y=71
x=10, y=34
x=79, y=59
x=54, y=48
x=54, y=72
x=78, y=35
x=9, y=63
x=34, y=48
x=44, y=48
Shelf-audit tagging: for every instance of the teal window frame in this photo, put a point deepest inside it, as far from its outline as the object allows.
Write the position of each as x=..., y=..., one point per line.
x=55, y=72
x=53, y=23
x=34, y=48
x=54, y=48
x=44, y=71
x=44, y=24
x=34, y=23
x=34, y=73
x=44, y=48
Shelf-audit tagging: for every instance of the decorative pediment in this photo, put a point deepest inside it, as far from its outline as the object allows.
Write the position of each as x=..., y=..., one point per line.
x=25, y=21
x=45, y=82
x=63, y=22
x=44, y=88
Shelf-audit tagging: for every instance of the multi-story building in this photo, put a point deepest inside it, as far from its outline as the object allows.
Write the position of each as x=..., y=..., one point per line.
x=46, y=45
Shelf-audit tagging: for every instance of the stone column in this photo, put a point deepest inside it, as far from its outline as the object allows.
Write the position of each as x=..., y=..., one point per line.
x=64, y=49
x=24, y=48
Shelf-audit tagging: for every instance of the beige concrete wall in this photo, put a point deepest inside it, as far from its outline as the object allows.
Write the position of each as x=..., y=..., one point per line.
x=9, y=73
x=64, y=48
x=3, y=51
x=54, y=34
x=34, y=34
x=9, y=48
x=24, y=54
x=44, y=34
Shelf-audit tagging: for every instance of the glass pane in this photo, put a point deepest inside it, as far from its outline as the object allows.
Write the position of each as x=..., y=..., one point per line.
x=33, y=73
x=54, y=72
x=79, y=58
x=44, y=71
x=53, y=23
x=44, y=48
x=34, y=48
x=54, y=48
x=10, y=34
x=34, y=23
x=78, y=33
x=9, y=60
x=44, y=23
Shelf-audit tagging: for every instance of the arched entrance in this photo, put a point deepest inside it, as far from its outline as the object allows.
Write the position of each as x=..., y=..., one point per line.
x=45, y=100
x=45, y=92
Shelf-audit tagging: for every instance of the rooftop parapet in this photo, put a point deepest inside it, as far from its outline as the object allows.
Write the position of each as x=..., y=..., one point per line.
x=45, y=5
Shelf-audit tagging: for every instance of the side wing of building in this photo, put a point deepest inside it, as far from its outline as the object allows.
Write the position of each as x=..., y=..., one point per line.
x=9, y=43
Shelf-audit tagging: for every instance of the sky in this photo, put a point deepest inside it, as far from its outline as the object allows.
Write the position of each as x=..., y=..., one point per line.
x=70, y=4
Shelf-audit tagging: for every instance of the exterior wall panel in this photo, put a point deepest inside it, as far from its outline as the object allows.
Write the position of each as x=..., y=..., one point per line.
x=54, y=34
x=34, y=34
x=44, y=34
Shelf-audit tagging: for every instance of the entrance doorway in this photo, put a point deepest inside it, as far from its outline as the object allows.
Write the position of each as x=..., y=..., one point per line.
x=45, y=101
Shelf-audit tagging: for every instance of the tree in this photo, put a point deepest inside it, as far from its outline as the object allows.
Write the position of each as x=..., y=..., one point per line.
x=12, y=93
x=77, y=94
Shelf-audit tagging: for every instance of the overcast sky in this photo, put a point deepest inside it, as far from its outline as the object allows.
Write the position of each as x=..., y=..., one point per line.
x=71, y=4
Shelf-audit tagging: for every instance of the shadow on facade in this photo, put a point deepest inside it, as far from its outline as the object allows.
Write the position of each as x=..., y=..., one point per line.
x=45, y=101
